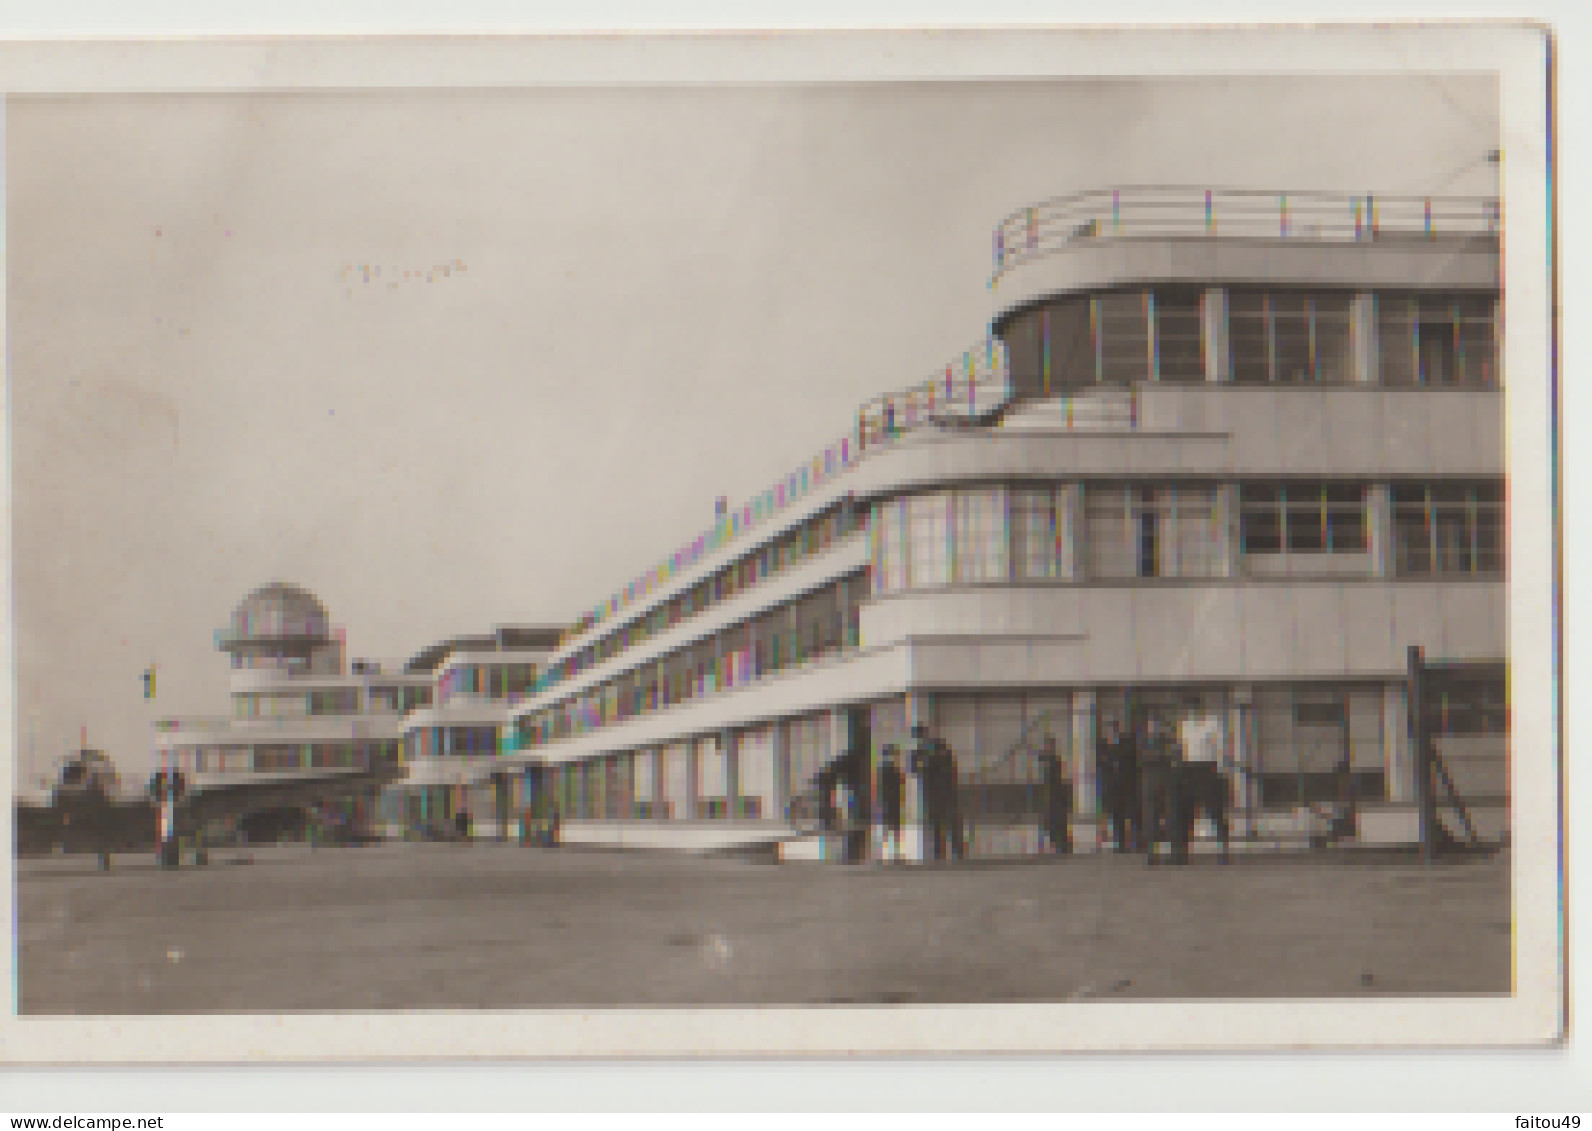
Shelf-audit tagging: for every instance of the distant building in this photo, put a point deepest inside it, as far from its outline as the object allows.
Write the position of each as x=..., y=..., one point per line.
x=302, y=713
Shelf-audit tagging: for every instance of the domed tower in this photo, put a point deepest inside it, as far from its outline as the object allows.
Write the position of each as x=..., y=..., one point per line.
x=281, y=627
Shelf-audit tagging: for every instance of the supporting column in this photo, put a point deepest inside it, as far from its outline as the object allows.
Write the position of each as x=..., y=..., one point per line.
x=1398, y=755
x=1363, y=339
x=1498, y=343
x=919, y=712
x=782, y=770
x=1218, y=351
x=1240, y=724
x=1085, y=802
x=1069, y=531
x=728, y=742
x=1379, y=517
x=1227, y=530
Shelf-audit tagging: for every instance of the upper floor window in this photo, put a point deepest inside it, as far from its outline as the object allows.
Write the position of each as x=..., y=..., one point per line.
x=1178, y=317
x=1303, y=518
x=1436, y=339
x=971, y=535
x=1290, y=337
x=1121, y=324
x=1135, y=530
x=1448, y=529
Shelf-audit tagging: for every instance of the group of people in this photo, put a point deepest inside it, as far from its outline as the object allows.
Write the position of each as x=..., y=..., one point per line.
x=933, y=763
x=1151, y=787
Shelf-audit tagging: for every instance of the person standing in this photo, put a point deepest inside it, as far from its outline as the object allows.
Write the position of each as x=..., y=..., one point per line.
x=892, y=786
x=950, y=799
x=1108, y=779
x=925, y=766
x=1119, y=787
x=1158, y=776
x=1058, y=797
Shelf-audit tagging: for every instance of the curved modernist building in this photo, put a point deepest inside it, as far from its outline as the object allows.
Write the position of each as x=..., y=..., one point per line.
x=1224, y=457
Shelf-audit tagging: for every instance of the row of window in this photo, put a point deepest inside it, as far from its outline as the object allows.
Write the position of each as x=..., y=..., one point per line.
x=451, y=741
x=278, y=758
x=400, y=699
x=494, y=681
x=816, y=624
x=1272, y=336
x=1109, y=531
x=1297, y=744
x=336, y=701
x=796, y=546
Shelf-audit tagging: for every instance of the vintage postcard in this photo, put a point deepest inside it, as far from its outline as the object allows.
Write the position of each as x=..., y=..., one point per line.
x=879, y=542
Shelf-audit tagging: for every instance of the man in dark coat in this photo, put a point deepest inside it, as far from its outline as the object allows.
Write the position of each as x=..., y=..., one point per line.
x=1162, y=814
x=927, y=766
x=853, y=772
x=950, y=799
x=892, y=786
x=1058, y=797
x=1118, y=759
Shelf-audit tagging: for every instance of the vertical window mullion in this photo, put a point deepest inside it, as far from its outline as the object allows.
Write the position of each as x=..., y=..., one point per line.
x=1171, y=564
x=1271, y=338
x=1151, y=325
x=1471, y=524
x=1431, y=531
x=1310, y=329
x=1096, y=339
x=1415, y=340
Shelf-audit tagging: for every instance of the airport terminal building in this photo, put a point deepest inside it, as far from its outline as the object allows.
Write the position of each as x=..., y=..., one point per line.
x=1224, y=455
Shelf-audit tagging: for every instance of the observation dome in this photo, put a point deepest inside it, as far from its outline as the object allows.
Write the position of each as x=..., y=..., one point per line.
x=277, y=614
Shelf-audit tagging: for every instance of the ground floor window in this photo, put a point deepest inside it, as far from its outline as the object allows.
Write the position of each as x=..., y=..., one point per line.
x=757, y=774
x=678, y=795
x=1317, y=744
x=808, y=748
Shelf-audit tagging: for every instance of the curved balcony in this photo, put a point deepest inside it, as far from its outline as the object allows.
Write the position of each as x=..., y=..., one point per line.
x=1121, y=235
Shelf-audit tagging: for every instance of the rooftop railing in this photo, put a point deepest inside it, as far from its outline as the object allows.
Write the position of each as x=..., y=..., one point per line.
x=1182, y=212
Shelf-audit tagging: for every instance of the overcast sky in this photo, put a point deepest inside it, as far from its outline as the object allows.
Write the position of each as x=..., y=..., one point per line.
x=666, y=294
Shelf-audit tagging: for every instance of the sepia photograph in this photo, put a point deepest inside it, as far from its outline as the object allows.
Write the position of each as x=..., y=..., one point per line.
x=712, y=551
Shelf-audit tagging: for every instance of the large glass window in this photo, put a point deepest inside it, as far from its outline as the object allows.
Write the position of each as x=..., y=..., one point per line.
x=1135, y=530
x=1303, y=518
x=928, y=540
x=1436, y=339
x=1179, y=335
x=1448, y=529
x=645, y=784
x=980, y=535
x=1291, y=337
x=888, y=532
x=756, y=774
x=714, y=776
x=278, y=758
x=678, y=788
x=807, y=748
x=1051, y=348
x=1318, y=745
x=972, y=536
x=1122, y=337
x=1039, y=529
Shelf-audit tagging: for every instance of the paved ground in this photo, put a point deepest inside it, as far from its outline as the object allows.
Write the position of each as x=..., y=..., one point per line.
x=444, y=926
